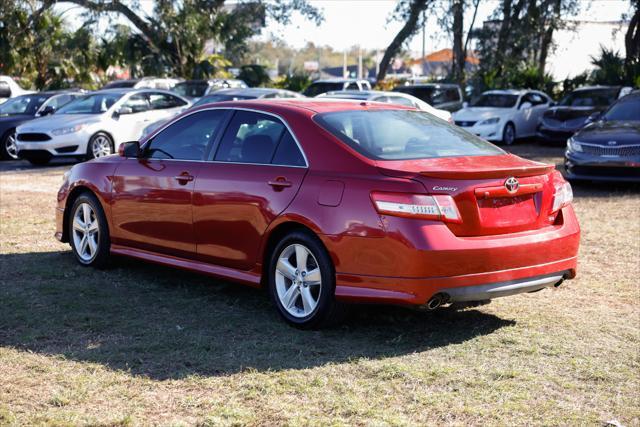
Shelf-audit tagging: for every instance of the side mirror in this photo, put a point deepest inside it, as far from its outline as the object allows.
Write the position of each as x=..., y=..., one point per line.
x=525, y=105
x=129, y=149
x=465, y=104
x=594, y=117
x=49, y=109
x=125, y=110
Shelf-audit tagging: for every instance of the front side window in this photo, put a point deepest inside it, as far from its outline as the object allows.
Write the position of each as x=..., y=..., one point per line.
x=91, y=104
x=403, y=135
x=186, y=139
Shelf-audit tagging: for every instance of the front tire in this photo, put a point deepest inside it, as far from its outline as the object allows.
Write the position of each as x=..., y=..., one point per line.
x=302, y=282
x=509, y=134
x=88, y=232
x=8, y=147
x=99, y=145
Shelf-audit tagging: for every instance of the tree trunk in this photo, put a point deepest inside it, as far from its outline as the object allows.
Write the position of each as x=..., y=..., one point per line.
x=632, y=37
x=458, y=60
x=547, y=38
x=417, y=6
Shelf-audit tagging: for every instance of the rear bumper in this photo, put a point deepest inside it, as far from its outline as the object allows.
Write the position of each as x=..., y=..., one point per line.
x=410, y=266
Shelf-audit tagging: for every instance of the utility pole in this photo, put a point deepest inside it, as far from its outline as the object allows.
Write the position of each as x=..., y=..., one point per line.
x=424, y=44
x=344, y=64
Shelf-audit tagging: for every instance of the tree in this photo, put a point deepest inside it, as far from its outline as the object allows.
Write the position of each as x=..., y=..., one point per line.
x=176, y=33
x=632, y=45
x=409, y=11
x=453, y=20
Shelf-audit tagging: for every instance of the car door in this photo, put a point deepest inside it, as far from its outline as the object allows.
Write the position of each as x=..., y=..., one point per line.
x=152, y=195
x=254, y=175
x=540, y=103
x=528, y=116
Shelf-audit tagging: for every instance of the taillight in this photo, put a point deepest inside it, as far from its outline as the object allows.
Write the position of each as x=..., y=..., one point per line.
x=562, y=196
x=436, y=207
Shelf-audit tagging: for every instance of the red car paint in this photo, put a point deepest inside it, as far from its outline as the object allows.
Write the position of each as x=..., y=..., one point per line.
x=219, y=219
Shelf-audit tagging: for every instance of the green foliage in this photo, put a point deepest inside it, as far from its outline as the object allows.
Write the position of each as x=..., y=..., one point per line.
x=254, y=75
x=295, y=82
x=609, y=68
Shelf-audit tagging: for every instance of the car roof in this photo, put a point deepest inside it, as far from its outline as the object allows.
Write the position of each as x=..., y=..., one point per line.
x=247, y=91
x=338, y=80
x=436, y=85
x=307, y=105
x=596, y=88
x=360, y=94
x=508, y=91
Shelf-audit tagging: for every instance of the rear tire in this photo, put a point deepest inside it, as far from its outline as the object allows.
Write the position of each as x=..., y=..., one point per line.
x=8, y=148
x=88, y=232
x=509, y=134
x=301, y=282
x=99, y=145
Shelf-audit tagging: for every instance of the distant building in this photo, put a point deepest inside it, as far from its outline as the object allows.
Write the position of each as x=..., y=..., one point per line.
x=437, y=65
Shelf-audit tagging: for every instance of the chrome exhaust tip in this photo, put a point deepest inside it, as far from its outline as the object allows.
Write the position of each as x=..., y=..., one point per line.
x=436, y=301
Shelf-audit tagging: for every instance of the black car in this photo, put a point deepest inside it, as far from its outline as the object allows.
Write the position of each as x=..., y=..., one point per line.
x=23, y=108
x=444, y=96
x=608, y=149
x=558, y=123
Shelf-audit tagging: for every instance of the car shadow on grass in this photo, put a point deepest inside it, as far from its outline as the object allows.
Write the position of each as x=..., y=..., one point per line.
x=167, y=324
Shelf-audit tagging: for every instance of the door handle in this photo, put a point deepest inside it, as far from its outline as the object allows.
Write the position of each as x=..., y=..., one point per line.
x=279, y=183
x=184, y=178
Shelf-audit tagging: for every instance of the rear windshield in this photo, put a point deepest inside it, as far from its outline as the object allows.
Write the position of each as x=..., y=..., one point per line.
x=403, y=135
x=590, y=98
x=318, y=88
x=191, y=90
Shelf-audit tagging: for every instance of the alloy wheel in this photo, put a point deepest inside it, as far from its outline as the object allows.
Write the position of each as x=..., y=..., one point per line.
x=298, y=280
x=509, y=135
x=86, y=232
x=100, y=146
x=10, y=146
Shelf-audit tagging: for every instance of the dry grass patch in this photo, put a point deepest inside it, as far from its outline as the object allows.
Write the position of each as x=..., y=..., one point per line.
x=139, y=344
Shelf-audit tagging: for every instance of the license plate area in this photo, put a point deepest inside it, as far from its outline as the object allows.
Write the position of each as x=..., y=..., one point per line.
x=500, y=212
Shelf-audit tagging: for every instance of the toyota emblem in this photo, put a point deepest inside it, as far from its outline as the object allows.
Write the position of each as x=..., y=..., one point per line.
x=511, y=184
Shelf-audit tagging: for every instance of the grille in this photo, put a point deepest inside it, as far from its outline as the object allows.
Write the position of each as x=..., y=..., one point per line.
x=33, y=137
x=622, y=151
x=465, y=123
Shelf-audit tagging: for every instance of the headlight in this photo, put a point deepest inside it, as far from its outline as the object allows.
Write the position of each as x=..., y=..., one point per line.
x=64, y=131
x=491, y=121
x=573, y=145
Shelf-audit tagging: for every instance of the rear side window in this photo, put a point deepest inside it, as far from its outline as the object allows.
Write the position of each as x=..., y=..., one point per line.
x=161, y=101
x=288, y=153
x=403, y=135
x=250, y=138
x=452, y=95
x=186, y=139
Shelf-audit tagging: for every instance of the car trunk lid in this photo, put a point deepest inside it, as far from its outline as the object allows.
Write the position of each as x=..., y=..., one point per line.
x=494, y=194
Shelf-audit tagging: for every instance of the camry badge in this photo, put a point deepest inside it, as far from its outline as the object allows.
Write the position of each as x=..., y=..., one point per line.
x=612, y=142
x=511, y=184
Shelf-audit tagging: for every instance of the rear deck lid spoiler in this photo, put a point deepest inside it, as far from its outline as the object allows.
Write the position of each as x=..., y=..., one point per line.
x=477, y=167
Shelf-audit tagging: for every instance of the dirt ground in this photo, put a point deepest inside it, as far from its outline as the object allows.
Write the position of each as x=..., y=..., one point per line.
x=139, y=344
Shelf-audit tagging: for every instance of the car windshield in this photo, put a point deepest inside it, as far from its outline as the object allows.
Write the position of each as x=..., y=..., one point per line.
x=25, y=104
x=92, y=104
x=625, y=110
x=221, y=98
x=191, y=89
x=403, y=135
x=590, y=98
x=495, y=100
x=322, y=87
x=428, y=94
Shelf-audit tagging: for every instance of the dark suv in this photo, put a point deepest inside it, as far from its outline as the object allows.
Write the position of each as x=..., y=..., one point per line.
x=444, y=96
x=574, y=111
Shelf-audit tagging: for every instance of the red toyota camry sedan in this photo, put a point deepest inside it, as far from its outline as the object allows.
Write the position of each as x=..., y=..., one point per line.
x=325, y=203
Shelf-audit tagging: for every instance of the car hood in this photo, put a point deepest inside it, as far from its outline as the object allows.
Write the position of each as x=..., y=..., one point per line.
x=56, y=121
x=7, y=122
x=479, y=113
x=610, y=133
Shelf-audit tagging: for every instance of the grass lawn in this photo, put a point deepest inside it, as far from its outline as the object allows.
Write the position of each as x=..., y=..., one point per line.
x=140, y=344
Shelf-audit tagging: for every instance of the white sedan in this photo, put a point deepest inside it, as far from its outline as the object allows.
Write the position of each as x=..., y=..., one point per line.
x=504, y=115
x=388, y=97
x=96, y=124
